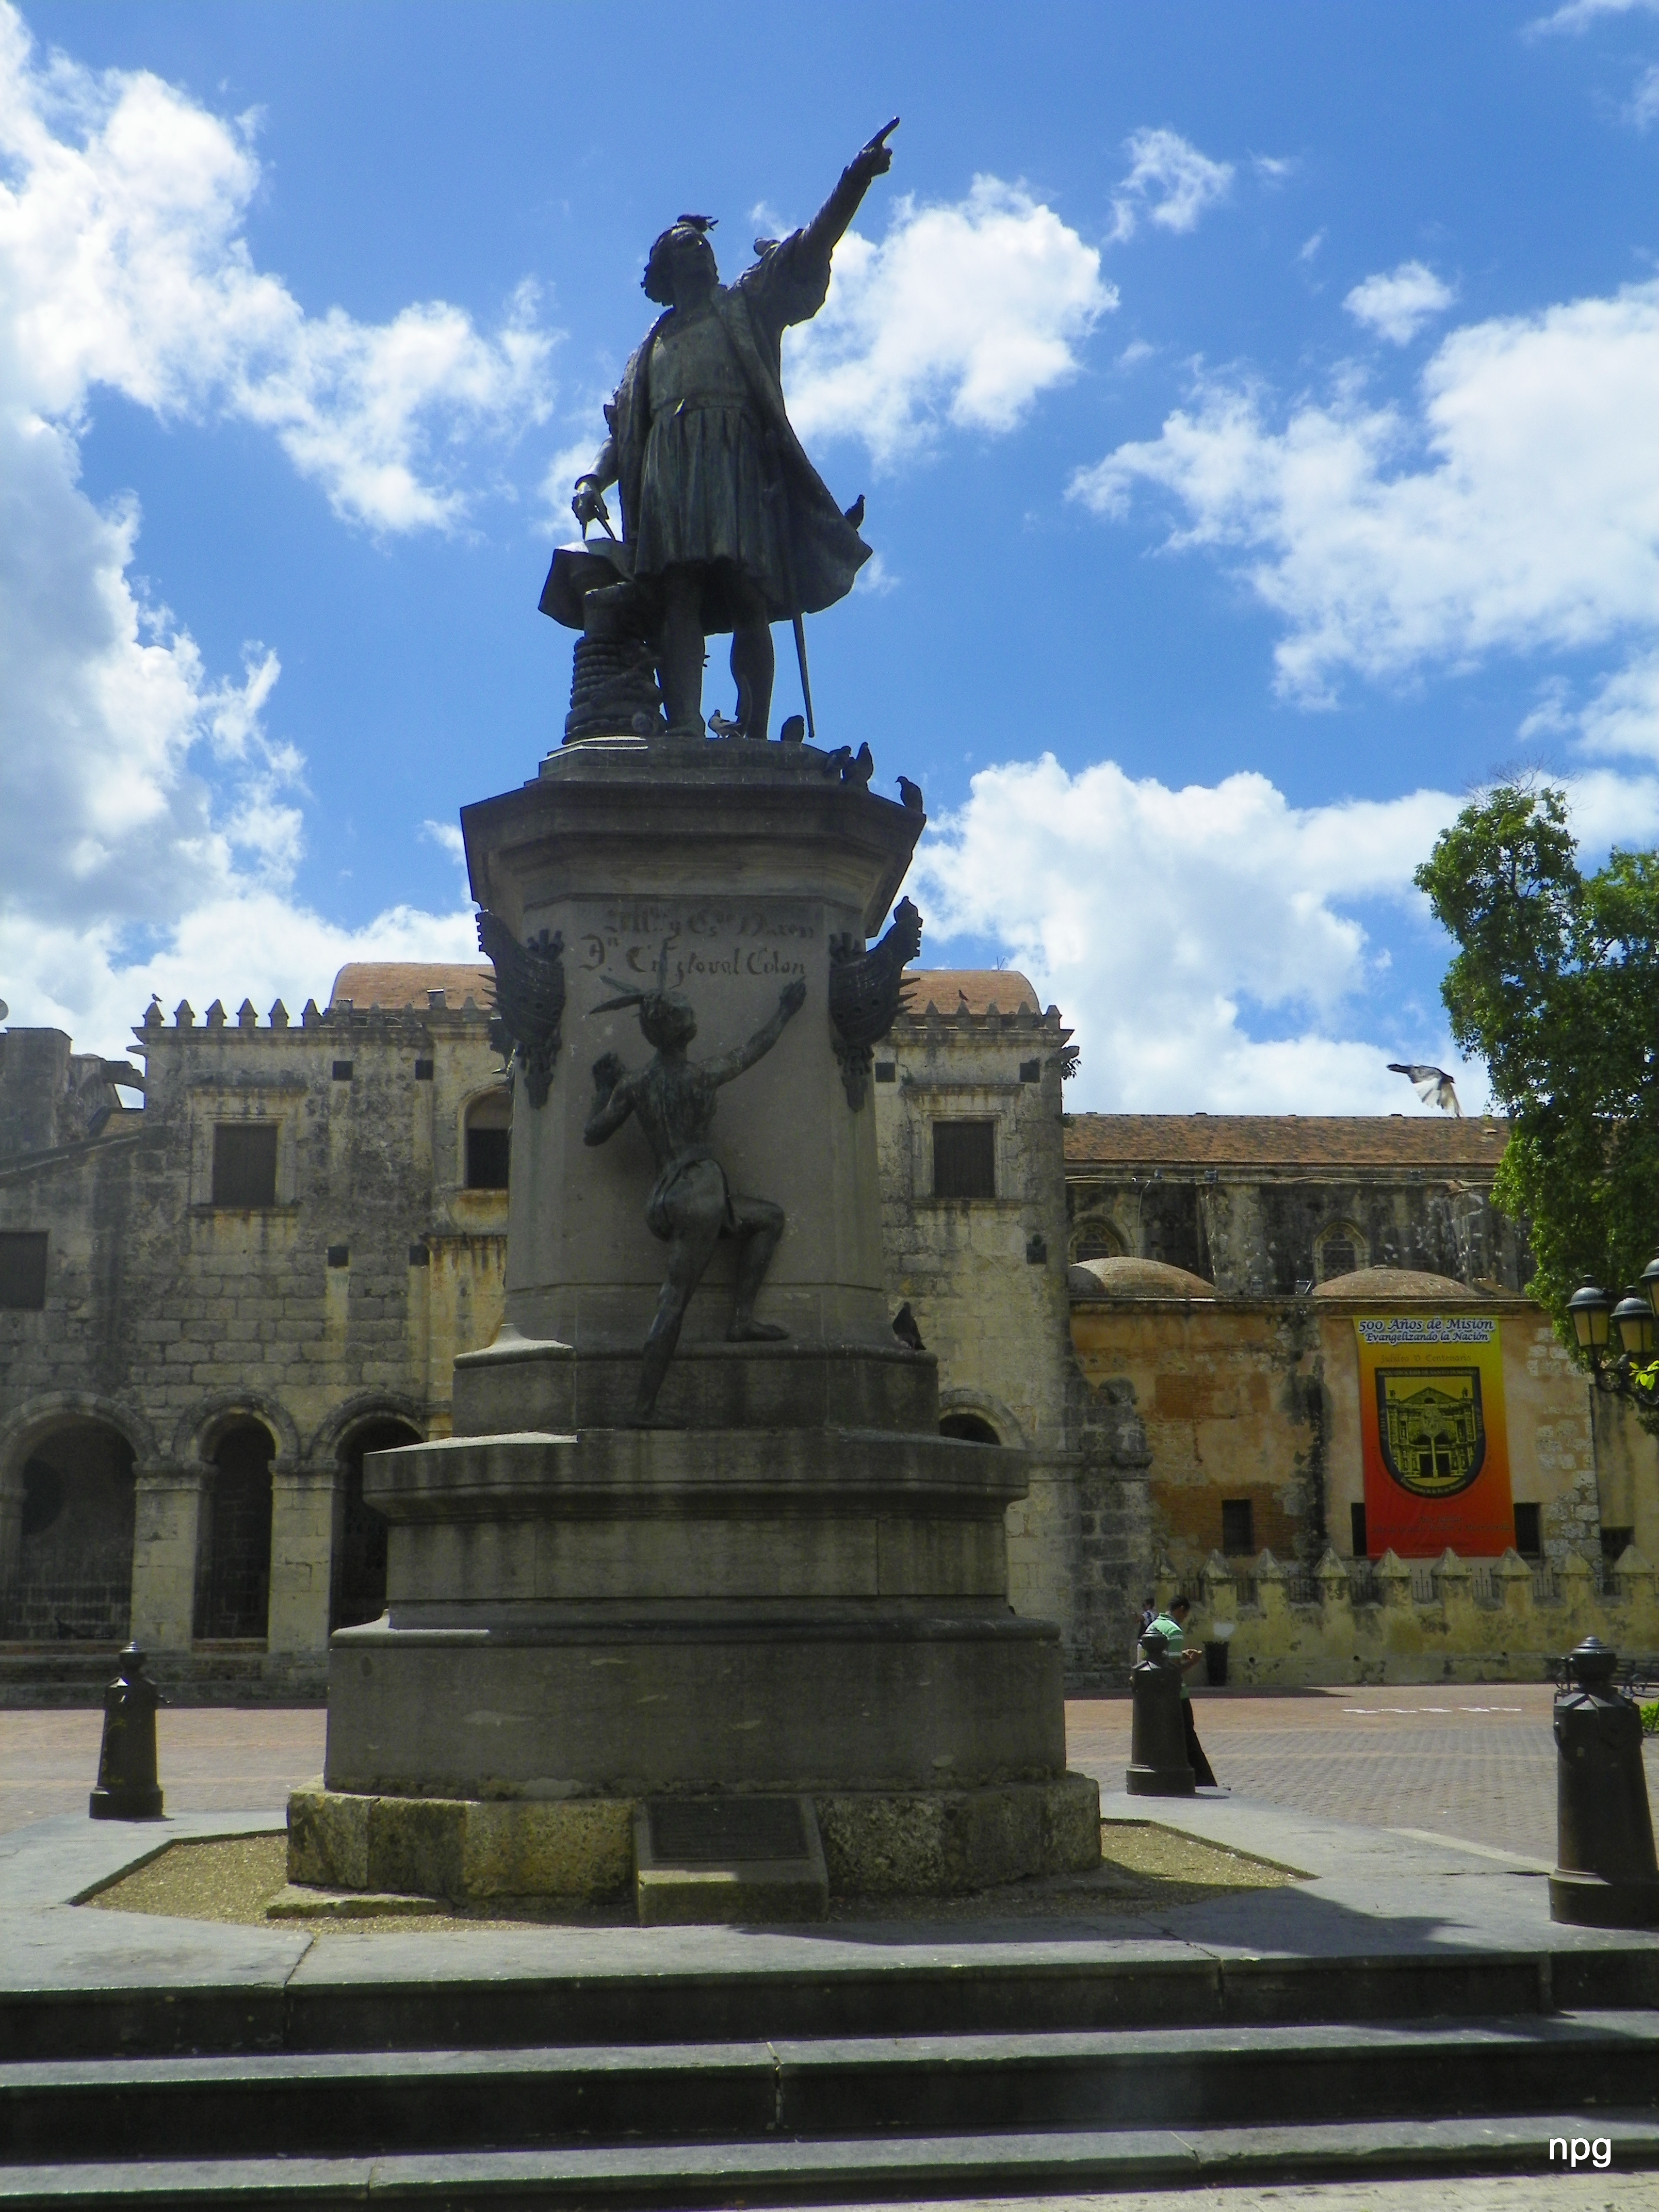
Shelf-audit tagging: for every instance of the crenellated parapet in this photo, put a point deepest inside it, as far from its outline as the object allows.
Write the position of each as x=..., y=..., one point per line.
x=1393, y=1621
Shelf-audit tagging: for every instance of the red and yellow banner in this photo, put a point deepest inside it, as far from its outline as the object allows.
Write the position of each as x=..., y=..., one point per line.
x=1436, y=1449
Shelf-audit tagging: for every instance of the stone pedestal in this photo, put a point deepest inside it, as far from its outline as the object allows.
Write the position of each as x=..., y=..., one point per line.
x=802, y=1587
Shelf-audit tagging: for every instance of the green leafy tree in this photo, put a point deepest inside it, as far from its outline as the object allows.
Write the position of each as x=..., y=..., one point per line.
x=1555, y=985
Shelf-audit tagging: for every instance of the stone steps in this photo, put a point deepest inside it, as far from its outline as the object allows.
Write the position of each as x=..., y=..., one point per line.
x=703, y=2000
x=452, y=2100
x=851, y=2169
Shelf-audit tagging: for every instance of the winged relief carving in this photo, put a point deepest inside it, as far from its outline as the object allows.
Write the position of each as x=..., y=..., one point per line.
x=529, y=998
x=866, y=995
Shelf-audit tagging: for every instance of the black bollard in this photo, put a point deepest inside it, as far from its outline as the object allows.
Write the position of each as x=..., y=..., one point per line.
x=1158, y=1766
x=127, y=1788
x=1605, y=1875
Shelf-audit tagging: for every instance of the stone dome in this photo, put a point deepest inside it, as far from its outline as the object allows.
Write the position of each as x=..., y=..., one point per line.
x=1122, y=1277
x=1396, y=1283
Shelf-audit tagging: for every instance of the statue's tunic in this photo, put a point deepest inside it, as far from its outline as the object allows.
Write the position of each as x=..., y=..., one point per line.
x=710, y=471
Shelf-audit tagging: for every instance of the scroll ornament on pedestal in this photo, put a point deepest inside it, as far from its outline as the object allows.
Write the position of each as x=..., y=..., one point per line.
x=529, y=998
x=866, y=995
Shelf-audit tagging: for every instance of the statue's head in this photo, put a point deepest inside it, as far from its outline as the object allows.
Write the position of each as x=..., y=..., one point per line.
x=667, y=1020
x=681, y=260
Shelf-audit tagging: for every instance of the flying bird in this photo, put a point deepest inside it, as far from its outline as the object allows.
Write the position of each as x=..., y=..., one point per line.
x=911, y=794
x=1432, y=1084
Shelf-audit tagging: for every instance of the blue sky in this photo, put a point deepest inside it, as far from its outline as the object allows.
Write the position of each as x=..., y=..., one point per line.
x=1255, y=409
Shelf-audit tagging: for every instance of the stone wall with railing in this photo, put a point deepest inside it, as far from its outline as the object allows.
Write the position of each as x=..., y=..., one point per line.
x=1390, y=1619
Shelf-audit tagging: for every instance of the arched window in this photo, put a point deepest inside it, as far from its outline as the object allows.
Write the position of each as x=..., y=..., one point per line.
x=488, y=1140
x=233, y=1554
x=75, y=1559
x=1095, y=1237
x=969, y=1428
x=1339, y=1249
x=361, y=1533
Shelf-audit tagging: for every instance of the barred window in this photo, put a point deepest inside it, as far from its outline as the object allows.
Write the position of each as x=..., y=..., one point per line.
x=964, y=1159
x=245, y=1163
x=489, y=1141
x=1238, y=1526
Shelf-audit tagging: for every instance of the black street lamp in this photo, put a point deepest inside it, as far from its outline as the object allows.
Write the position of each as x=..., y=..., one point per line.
x=1596, y=1319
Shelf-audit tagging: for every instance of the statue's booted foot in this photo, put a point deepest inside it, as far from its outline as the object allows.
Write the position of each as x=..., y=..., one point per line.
x=755, y=1332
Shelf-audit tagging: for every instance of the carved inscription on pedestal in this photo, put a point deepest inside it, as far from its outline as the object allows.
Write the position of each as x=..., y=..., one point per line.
x=678, y=946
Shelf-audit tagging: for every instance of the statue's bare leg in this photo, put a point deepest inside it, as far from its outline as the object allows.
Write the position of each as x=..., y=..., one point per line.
x=695, y=1237
x=681, y=647
x=760, y=1225
x=753, y=667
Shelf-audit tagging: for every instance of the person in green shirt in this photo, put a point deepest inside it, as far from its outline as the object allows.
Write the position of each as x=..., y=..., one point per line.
x=1171, y=1626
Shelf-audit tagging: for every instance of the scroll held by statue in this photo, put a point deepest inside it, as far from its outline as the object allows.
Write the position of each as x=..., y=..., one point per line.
x=1433, y=1436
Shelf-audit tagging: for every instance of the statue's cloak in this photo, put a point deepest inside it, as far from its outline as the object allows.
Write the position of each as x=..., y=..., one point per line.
x=787, y=285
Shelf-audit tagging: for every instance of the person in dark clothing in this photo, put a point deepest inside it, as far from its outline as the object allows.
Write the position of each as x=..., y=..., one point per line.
x=1172, y=1626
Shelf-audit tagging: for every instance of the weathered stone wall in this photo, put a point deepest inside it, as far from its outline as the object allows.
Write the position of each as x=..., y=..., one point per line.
x=1628, y=1472
x=1461, y=1623
x=1342, y=1192
x=986, y=1277
x=168, y=1318
x=1259, y=1399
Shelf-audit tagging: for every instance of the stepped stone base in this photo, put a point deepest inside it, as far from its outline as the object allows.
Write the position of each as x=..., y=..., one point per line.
x=927, y=1842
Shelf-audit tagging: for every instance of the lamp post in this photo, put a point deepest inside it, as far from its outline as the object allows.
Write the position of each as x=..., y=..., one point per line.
x=1629, y=1370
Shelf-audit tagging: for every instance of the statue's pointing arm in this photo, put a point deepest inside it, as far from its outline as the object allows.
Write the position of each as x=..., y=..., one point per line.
x=870, y=161
x=792, y=278
x=791, y=1000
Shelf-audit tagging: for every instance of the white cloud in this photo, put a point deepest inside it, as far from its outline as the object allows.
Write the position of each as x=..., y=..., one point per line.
x=149, y=822
x=447, y=835
x=1310, y=246
x=122, y=256
x=1644, y=101
x=1579, y=14
x=1156, y=918
x=1169, y=181
x=1619, y=718
x=1197, y=938
x=1518, y=511
x=1398, y=305
x=963, y=314
x=246, y=942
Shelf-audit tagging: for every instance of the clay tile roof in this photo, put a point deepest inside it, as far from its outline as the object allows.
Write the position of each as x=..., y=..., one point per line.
x=1133, y=1141
x=393, y=983
x=1394, y=1283
x=970, y=990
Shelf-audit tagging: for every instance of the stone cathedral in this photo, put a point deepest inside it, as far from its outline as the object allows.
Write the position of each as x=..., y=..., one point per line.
x=235, y=1264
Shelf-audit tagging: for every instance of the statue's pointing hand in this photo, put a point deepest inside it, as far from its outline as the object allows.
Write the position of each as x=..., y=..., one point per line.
x=608, y=1072
x=875, y=159
x=793, y=997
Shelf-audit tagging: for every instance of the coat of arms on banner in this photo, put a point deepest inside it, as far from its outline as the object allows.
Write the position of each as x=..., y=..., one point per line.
x=1430, y=1428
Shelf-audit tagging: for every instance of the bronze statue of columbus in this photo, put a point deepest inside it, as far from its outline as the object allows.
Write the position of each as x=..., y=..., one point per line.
x=729, y=525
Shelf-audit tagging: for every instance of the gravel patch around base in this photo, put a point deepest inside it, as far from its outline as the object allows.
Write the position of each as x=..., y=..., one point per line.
x=1143, y=1865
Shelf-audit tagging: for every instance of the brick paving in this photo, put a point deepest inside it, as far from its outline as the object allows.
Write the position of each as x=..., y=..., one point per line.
x=1473, y=1760
x=213, y=1758
x=1477, y=1762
